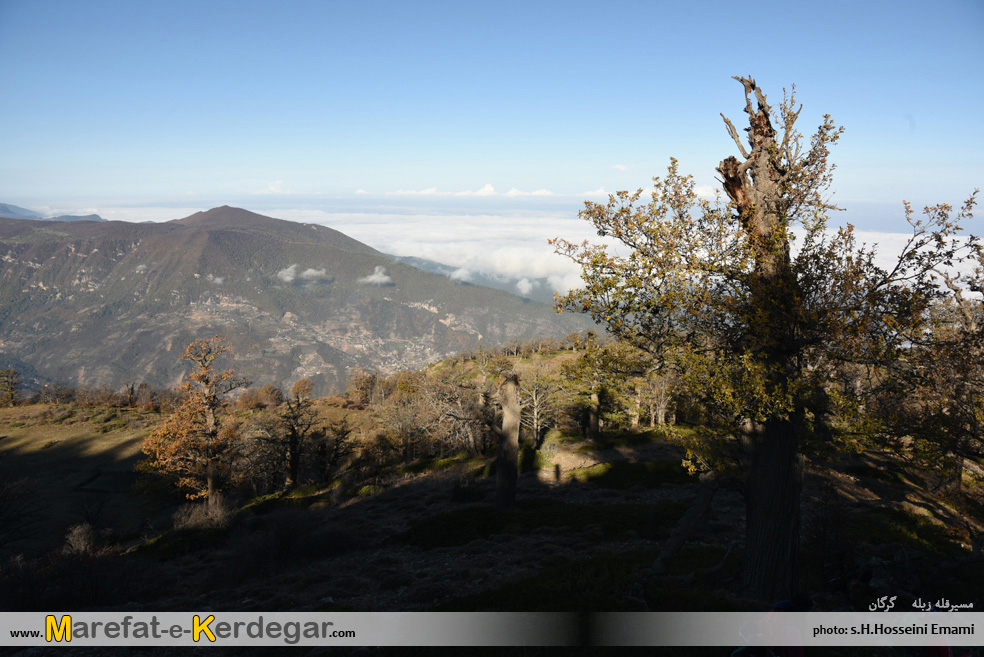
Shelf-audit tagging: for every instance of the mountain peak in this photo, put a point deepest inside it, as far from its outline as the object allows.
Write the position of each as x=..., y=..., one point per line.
x=226, y=216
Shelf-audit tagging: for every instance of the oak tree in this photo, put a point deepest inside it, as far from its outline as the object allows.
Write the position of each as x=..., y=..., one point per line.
x=10, y=383
x=457, y=402
x=759, y=327
x=362, y=386
x=196, y=442
x=540, y=395
x=931, y=407
x=597, y=380
x=408, y=413
x=332, y=446
x=656, y=392
x=299, y=420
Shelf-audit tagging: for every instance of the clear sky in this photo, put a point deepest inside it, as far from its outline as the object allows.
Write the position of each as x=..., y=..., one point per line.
x=399, y=119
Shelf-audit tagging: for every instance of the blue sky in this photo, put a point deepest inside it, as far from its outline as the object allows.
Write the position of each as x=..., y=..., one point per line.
x=438, y=113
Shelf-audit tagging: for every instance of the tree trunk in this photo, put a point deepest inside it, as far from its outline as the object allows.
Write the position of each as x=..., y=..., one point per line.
x=772, y=505
x=293, y=461
x=662, y=408
x=534, y=422
x=507, y=468
x=593, y=421
x=211, y=482
x=758, y=188
x=951, y=475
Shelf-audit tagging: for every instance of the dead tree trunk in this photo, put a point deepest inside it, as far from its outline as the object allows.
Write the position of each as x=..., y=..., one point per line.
x=507, y=461
x=759, y=189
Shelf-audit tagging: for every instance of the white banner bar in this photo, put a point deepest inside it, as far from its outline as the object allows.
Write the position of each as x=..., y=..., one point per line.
x=491, y=629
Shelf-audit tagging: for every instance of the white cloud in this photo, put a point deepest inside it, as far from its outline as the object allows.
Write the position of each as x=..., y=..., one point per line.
x=620, y=167
x=288, y=275
x=49, y=211
x=276, y=187
x=460, y=274
x=525, y=286
x=361, y=191
x=430, y=191
x=539, y=192
x=564, y=284
x=377, y=277
x=707, y=191
x=511, y=243
x=598, y=192
x=487, y=190
x=313, y=274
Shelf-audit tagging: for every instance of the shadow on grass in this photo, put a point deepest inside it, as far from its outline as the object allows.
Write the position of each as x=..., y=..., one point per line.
x=603, y=583
x=622, y=475
x=461, y=526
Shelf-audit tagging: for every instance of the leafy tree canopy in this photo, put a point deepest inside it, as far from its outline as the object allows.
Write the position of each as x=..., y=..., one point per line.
x=762, y=328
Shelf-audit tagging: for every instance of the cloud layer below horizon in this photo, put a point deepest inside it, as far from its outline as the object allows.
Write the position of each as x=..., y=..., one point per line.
x=508, y=243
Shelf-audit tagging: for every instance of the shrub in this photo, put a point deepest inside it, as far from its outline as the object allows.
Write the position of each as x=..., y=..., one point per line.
x=369, y=489
x=80, y=540
x=250, y=400
x=209, y=515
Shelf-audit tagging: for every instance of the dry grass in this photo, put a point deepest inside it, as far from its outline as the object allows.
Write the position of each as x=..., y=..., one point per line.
x=580, y=539
x=82, y=470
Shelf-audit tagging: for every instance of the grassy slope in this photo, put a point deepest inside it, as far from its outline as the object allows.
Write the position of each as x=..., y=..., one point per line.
x=81, y=462
x=426, y=537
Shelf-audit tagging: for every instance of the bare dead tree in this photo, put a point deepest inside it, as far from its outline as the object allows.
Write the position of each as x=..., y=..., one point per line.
x=506, y=427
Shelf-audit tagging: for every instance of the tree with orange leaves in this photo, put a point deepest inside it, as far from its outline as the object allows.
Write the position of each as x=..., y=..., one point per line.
x=196, y=443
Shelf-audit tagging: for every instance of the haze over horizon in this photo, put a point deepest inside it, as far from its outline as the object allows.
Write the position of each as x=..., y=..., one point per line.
x=409, y=127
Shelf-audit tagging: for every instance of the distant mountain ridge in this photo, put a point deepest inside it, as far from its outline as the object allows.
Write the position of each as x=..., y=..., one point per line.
x=16, y=212
x=99, y=304
x=76, y=217
x=8, y=211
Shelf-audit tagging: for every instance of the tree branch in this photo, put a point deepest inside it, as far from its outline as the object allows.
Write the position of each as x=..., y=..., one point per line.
x=749, y=85
x=734, y=135
x=763, y=105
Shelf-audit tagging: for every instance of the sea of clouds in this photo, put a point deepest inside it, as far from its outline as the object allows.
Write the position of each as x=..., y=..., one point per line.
x=508, y=240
